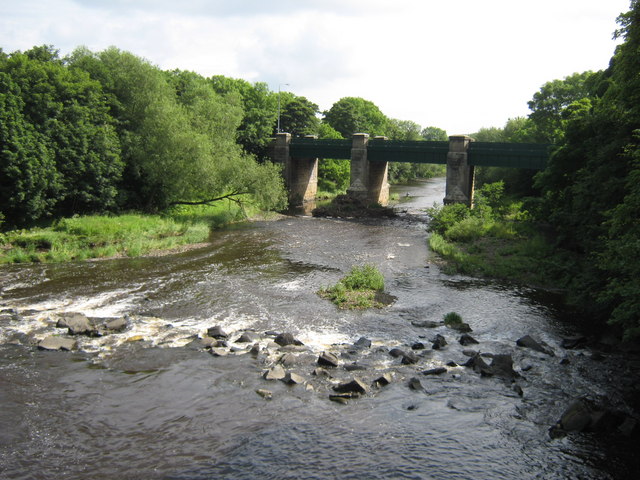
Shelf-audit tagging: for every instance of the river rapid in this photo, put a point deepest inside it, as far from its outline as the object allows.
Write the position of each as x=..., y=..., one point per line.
x=146, y=403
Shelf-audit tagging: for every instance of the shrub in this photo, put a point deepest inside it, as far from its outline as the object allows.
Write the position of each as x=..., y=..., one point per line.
x=452, y=319
x=367, y=277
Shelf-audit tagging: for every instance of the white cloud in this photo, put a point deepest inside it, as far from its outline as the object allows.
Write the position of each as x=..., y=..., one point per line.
x=458, y=65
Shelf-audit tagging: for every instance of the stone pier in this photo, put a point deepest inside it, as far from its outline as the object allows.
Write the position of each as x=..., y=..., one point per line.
x=300, y=174
x=369, y=180
x=460, y=175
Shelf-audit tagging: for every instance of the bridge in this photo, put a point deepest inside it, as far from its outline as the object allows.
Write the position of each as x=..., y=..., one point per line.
x=370, y=159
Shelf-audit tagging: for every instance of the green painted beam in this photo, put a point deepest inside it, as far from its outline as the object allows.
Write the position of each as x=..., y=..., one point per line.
x=483, y=154
x=512, y=155
x=406, y=151
x=325, y=148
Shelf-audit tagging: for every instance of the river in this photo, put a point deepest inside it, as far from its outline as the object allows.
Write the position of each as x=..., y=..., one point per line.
x=147, y=404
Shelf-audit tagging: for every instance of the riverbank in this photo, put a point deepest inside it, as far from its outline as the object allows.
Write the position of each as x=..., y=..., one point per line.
x=112, y=236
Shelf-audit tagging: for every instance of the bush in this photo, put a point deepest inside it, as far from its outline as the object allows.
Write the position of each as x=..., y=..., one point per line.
x=452, y=319
x=357, y=290
x=367, y=277
x=441, y=218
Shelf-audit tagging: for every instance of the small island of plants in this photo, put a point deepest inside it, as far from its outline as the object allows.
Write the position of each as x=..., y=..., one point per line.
x=361, y=288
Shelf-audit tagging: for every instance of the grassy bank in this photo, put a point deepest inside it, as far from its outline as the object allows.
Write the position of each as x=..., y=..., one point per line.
x=103, y=236
x=495, y=239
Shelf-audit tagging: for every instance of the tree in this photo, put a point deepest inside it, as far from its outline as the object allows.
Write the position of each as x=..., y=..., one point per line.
x=63, y=112
x=298, y=117
x=404, y=130
x=351, y=115
x=259, y=107
x=434, y=134
x=178, y=137
x=28, y=176
x=548, y=105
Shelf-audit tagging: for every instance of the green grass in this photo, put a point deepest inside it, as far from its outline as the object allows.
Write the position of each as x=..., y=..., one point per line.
x=357, y=290
x=452, y=319
x=102, y=236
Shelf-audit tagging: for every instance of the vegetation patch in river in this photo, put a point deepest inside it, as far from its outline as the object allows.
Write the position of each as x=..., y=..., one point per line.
x=362, y=288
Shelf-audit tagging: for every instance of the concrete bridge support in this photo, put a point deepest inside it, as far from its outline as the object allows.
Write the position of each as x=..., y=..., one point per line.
x=369, y=180
x=460, y=175
x=300, y=174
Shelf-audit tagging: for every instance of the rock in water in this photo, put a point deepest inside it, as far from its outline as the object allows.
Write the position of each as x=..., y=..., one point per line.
x=247, y=337
x=328, y=360
x=414, y=384
x=466, y=340
x=286, y=339
x=57, y=343
x=266, y=394
x=383, y=380
x=479, y=365
x=274, y=373
x=216, y=332
x=78, y=324
x=435, y=371
x=439, y=342
x=293, y=379
x=410, y=358
x=529, y=342
x=354, y=386
x=363, y=343
x=502, y=366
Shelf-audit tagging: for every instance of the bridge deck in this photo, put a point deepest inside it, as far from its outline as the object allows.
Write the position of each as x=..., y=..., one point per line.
x=485, y=154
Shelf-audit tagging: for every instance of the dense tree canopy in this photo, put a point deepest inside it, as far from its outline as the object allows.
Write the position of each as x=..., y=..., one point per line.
x=60, y=152
x=106, y=131
x=351, y=115
x=591, y=189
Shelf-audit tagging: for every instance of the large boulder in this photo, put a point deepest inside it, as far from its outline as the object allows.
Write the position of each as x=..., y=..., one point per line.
x=583, y=415
x=354, y=386
x=248, y=337
x=217, y=332
x=538, y=345
x=57, y=343
x=362, y=342
x=328, y=360
x=77, y=324
x=466, y=340
x=286, y=339
x=275, y=373
x=439, y=342
x=502, y=366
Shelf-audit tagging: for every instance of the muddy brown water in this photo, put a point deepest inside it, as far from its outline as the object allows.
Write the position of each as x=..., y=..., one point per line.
x=143, y=405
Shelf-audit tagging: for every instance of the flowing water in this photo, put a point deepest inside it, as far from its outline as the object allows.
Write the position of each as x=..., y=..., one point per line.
x=146, y=404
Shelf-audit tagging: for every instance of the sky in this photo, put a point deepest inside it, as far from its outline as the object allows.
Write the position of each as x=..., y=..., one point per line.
x=459, y=65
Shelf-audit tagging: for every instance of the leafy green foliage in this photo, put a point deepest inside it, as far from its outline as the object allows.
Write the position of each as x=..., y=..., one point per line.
x=366, y=277
x=452, y=319
x=357, y=290
x=351, y=115
x=60, y=149
x=434, y=134
x=298, y=117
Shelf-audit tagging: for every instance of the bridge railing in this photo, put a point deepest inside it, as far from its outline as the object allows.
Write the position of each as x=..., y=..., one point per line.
x=320, y=148
x=512, y=155
x=405, y=151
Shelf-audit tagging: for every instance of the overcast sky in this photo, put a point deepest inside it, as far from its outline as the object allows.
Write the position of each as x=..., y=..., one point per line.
x=455, y=64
